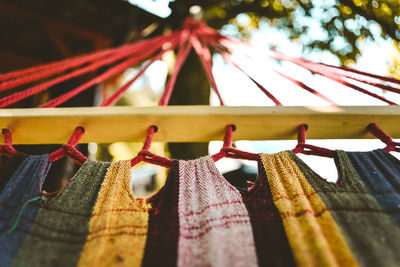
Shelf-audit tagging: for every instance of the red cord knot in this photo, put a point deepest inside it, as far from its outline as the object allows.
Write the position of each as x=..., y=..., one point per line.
x=73, y=141
x=376, y=131
x=228, y=135
x=7, y=149
x=192, y=24
x=146, y=155
x=74, y=154
x=307, y=149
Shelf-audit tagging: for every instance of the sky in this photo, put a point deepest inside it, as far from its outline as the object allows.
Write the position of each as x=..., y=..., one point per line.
x=237, y=90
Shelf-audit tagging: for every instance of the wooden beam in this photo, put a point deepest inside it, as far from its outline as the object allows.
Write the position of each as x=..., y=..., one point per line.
x=195, y=123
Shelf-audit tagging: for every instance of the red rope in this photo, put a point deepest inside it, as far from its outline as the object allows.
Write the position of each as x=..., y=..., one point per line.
x=305, y=87
x=230, y=43
x=7, y=148
x=346, y=71
x=301, y=137
x=81, y=59
x=108, y=74
x=146, y=156
x=58, y=68
x=205, y=58
x=184, y=49
x=118, y=94
x=353, y=77
x=94, y=66
x=74, y=154
x=343, y=71
x=64, y=65
x=337, y=79
x=6, y=101
x=384, y=137
x=228, y=151
x=317, y=68
x=73, y=141
x=227, y=57
x=307, y=149
x=300, y=84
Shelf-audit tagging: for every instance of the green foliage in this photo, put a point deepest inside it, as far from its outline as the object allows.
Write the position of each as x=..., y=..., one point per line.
x=344, y=22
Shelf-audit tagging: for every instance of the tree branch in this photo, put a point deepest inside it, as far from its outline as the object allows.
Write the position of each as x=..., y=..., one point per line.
x=388, y=28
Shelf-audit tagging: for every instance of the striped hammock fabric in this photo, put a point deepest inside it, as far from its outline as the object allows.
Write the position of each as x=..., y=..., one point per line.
x=289, y=217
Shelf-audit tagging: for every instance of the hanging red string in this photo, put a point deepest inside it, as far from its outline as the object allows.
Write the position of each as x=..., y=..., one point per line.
x=228, y=151
x=227, y=58
x=59, y=66
x=205, y=58
x=338, y=79
x=384, y=137
x=305, y=87
x=106, y=59
x=324, y=68
x=348, y=73
x=184, y=49
x=118, y=94
x=233, y=45
x=8, y=100
x=106, y=75
x=72, y=152
x=145, y=154
x=52, y=67
x=7, y=148
x=48, y=72
x=304, y=148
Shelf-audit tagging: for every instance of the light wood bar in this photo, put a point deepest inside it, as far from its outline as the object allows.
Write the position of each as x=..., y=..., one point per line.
x=196, y=123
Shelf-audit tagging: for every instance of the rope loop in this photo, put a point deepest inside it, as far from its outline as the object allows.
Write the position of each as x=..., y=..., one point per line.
x=145, y=154
x=149, y=137
x=228, y=151
x=74, y=154
x=308, y=149
x=301, y=138
x=228, y=135
x=7, y=148
x=69, y=148
x=376, y=131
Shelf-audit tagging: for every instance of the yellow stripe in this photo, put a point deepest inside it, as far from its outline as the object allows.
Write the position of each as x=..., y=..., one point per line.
x=311, y=230
x=118, y=227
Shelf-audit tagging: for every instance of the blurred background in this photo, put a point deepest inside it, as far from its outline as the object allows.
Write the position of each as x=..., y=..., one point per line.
x=360, y=34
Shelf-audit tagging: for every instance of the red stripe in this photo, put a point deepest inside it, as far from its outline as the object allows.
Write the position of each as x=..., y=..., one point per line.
x=208, y=221
x=307, y=211
x=208, y=229
x=209, y=206
x=120, y=210
x=116, y=234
